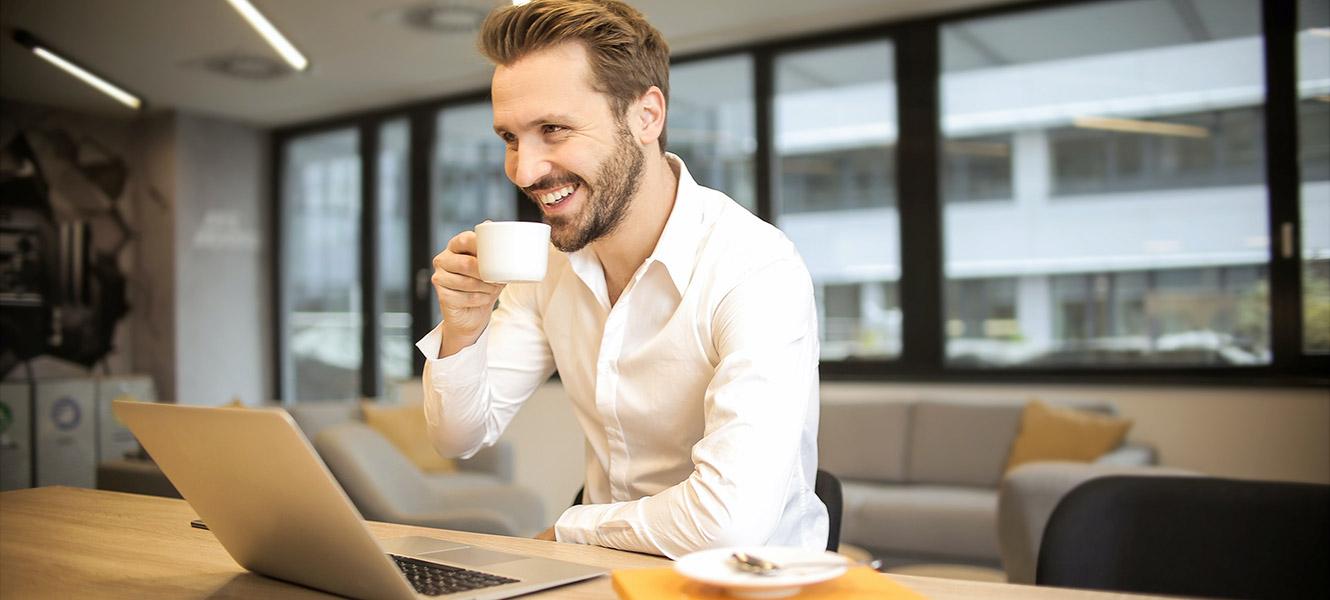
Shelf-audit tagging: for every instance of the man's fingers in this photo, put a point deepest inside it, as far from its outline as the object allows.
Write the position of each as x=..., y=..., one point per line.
x=462, y=283
x=463, y=243
x=461, y=264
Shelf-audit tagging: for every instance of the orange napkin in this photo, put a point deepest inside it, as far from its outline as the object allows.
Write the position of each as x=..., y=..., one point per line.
x=664, y=583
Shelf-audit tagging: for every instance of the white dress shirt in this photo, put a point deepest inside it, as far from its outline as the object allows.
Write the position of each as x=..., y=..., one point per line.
x=697, y=390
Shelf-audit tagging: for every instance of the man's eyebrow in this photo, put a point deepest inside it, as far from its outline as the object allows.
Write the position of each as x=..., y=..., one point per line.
x=541, y=120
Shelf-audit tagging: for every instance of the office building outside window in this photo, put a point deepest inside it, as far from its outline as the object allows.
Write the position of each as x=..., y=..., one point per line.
x=321, y=302
x=467, y=181
x=393, y=251
x=835, y=189
x=1313, y=55
x=711, y=124
x=1125, y=167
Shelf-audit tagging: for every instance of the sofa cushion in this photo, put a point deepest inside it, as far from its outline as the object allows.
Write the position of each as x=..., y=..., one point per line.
x=1054, y=433
x=864, y=440
x=404, y=425
x=314, y=417
x=921, y=520
x=961, y=444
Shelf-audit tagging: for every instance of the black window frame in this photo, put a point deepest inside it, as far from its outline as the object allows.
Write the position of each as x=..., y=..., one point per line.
x=919, y=199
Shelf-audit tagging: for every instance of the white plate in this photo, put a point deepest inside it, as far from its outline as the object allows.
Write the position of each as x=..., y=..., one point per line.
x=715, y=567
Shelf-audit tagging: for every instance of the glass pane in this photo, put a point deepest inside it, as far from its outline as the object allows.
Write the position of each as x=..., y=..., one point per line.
x=321, y=267
x=835, y=140
x=395, y=343
x=468, y=184
x=1314, y=155
x=711, y=124
x=1121, y=170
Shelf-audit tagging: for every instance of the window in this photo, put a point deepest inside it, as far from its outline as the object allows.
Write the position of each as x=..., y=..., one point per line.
x=835, y=135
x=1222, y=148
x=321, y=259
x=468, y=181
x=1314, y=159
x=1159, y=138
x=394, y=247
x=711, y=124
x=977, y=168
x=1101, y=204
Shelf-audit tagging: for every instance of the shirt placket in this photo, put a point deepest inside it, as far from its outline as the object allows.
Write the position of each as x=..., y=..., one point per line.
x=608, y=381
x=607, y=393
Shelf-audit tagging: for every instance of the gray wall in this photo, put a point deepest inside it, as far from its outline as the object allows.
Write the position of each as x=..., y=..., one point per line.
x=222, y=256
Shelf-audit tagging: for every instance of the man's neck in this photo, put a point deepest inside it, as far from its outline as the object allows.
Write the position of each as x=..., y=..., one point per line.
x=633, y=241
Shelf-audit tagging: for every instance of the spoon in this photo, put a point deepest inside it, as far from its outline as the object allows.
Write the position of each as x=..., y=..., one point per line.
x=759, y=566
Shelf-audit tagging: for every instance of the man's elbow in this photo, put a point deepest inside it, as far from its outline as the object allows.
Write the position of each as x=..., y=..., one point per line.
x=453, y=445
x=747, y=530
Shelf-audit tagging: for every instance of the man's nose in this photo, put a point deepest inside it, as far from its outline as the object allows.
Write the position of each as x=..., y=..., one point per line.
x=528, y=165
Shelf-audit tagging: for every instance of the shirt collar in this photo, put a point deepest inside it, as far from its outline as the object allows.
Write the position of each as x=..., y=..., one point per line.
x=676, y=250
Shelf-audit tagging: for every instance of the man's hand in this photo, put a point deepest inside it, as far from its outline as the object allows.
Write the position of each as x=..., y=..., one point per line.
x=547, y=535
x=465, y=301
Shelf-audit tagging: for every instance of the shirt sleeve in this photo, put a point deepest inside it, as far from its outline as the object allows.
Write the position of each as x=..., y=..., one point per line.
x=757, y=405
x=471, y=396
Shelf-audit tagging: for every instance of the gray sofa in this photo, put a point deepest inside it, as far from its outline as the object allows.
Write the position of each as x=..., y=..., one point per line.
x=386, y=486
x=920, y=478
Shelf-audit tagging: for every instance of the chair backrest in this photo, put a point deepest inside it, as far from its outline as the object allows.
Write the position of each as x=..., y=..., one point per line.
x=1190, y=536
x=827, y=488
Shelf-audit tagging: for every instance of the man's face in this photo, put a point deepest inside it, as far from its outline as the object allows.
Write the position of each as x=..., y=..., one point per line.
x=567, y=149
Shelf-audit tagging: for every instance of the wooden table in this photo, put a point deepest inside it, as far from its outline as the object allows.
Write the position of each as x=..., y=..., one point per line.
x=58, y=542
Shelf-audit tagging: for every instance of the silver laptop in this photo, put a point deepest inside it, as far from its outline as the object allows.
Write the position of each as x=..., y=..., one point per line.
x=272, y=503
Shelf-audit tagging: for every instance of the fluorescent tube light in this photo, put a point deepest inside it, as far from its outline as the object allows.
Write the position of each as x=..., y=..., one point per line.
x=275, y=38
x=27, y=40
x=1139, y=126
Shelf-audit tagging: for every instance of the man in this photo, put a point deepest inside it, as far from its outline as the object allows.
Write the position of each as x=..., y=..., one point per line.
x=683, y=328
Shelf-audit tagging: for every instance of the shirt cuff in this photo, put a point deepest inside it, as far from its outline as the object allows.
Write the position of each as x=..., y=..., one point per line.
x=463, y=369
x=619, y=525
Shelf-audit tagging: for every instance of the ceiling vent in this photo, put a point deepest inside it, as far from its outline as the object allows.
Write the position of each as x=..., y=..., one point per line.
x=245, y=66
x=437, y=17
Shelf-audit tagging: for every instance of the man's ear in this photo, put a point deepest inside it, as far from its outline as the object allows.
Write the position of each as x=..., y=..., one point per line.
x=650, y=116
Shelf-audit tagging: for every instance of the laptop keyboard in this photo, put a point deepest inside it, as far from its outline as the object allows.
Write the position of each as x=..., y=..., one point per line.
x=434, y=579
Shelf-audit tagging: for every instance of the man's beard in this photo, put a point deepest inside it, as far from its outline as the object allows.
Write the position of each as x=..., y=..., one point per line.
x=608, y=200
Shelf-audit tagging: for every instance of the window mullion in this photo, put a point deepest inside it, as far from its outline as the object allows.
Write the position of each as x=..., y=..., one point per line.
x=923, y=336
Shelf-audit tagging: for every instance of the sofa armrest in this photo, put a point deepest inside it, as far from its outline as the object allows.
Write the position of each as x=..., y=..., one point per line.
x=497, y=460
x=1027, y=497
x=385, y=486
x=1130, y=455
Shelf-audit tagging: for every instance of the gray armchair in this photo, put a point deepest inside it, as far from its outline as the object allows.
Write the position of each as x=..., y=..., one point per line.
x=1028, y=495
x=385, y=486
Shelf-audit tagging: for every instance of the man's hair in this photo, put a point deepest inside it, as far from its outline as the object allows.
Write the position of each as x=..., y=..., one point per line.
x=626, y=53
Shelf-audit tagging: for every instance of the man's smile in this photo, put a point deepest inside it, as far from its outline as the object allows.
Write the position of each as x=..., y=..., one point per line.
x=557, y=195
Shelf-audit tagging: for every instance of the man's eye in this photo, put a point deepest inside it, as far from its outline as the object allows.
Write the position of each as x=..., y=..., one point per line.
x=548, y=129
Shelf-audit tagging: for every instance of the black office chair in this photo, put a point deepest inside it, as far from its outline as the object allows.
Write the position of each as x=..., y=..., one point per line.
x=1190, y=536
x=827, y=488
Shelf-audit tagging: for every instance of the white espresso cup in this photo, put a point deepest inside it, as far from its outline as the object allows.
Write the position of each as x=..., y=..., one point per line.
x=510, y=251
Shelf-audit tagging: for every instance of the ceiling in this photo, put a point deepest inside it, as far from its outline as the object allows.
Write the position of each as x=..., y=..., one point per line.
x=364, y=54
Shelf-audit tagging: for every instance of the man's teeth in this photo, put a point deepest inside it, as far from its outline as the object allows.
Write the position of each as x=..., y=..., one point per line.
x=557, y=195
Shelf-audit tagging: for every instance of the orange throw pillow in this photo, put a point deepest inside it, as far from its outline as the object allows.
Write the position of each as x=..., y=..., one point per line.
x=404, y=426
x=1049, y=433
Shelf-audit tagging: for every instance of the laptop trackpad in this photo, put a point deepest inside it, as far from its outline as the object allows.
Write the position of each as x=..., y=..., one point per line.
x=472, y=557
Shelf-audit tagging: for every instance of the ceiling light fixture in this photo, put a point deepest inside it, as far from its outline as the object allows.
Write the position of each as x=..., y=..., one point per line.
x=1139, y=126
x=274, y=38
x=43, y=50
